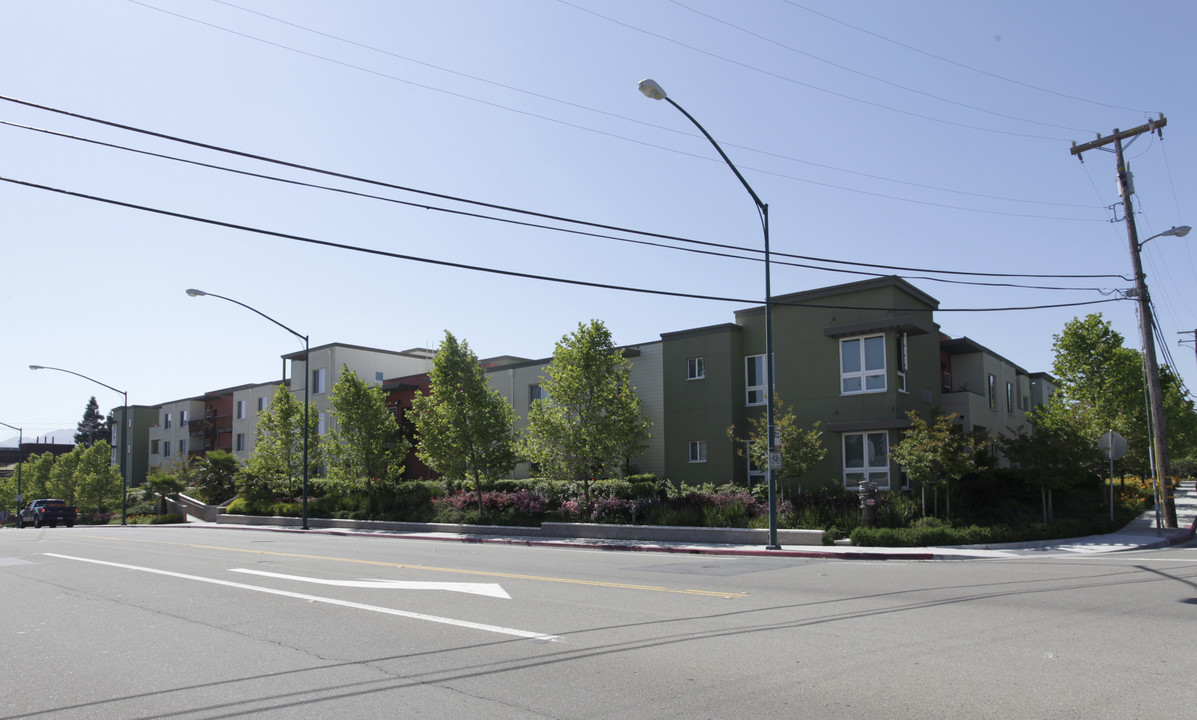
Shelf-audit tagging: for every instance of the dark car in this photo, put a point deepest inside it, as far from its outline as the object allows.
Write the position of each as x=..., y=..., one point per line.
x=47, y=512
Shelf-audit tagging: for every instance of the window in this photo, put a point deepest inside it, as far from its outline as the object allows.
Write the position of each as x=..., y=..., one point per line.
x=114, y=459
x=320, y=423
x=1010, y=398
x=535, y=392
x=696, y=368
x=318, y=377
x=261, y=404
x=240, y=409
x=866, y=456
x=992, y=393
x=182, y=418
x=902, y=359
x=698, y=451
x=166, y=448
x=154, y=447
x=166, y=423
x=754, y=380
x=240, y=442
x=862, y=365
x=183, y=447
x=378, y=376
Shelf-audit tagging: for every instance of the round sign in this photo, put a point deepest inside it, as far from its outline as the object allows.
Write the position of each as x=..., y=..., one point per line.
x=1112, y=445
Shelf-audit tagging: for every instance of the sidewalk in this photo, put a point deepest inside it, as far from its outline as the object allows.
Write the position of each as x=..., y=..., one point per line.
x=1141, y=534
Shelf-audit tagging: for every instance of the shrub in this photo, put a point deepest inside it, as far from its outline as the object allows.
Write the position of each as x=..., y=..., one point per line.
x=168, y=518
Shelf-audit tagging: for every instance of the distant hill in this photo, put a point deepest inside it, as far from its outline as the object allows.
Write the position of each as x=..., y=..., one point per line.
x=62, y=437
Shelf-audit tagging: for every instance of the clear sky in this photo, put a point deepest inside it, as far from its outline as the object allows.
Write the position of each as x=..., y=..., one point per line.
x=928, y=135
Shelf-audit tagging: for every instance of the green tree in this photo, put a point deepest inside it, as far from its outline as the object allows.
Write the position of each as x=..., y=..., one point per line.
x=590, y=422
x=61, y=483
x=93, y=428
x=364, y=444
x=35, y=476
x=161, y=484
x=1058, y=454
x=277, y=461
x=800, y=447
x=1103, y=388
x=464, y=428
x=97, y=481
x=935, y=453
x=216, y=476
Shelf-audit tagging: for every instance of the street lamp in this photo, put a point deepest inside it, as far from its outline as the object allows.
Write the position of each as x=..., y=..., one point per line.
x=20, y=458
x=1155, y=392
x=653, y=91
x=1179, y=231
x=127, y=451
x=306, y=382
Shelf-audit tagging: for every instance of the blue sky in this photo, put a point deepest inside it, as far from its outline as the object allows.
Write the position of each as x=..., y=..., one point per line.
x=930, y=135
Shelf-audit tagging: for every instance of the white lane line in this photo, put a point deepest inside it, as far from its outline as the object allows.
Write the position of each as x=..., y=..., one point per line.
x=329, y=601
x=487, y=589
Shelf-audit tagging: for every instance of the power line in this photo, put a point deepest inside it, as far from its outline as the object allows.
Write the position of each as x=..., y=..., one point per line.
x=861, y=73
x=493, y=206
x=508, y=273
x=794, y=81
x=962, y=65
x=601, y=112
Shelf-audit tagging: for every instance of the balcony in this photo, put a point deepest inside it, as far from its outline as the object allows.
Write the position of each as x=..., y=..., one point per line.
x=210, y=427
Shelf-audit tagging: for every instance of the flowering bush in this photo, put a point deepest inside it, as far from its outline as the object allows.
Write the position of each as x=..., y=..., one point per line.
x=602, y=510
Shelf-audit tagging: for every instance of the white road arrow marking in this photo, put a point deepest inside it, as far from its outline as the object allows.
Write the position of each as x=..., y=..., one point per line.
x=487, y=589
x=538, y=637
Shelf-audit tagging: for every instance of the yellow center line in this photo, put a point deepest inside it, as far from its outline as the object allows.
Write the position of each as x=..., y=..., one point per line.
x=404, y=566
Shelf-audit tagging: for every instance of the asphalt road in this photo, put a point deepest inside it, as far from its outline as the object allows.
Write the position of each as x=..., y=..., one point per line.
x=189, y=623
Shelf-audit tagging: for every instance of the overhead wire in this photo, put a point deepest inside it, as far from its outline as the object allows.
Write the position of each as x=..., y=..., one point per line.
x=605, y=113
x=807, y=85
x=508, y=273
x=996, y=76
x=870, y=76
x=494, y=206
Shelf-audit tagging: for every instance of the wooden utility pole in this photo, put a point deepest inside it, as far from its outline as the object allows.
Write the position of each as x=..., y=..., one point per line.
x=1155, y=395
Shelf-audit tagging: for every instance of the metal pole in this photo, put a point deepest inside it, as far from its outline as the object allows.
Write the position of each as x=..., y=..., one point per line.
x=654, y=91
x=127, y=453
x=307, y=381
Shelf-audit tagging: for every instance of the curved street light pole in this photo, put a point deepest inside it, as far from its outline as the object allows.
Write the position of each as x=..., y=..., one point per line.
x=653, y=91
x=1155, y=392
x=20, y=458
x=127, y=450
x=306, y=382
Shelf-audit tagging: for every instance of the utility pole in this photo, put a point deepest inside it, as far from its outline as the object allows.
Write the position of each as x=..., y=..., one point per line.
x=1155, y=393
x=1189, y=332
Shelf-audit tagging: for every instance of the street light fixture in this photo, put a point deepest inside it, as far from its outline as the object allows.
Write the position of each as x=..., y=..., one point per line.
x=654, y=91
x=306, y=382
x=1179, y=231
x=127, y=450
x=20, y=458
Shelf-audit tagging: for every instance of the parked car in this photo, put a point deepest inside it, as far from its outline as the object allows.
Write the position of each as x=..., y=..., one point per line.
x=47, y=512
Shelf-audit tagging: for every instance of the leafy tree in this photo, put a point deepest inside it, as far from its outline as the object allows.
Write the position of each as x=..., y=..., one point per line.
x=935, y=453
x=62, y=476
x=97, y=481
x=216, y=476
x=590, y=422
x=800, y=447
x=93, y=428
x=35, y=476
x=1059, y=454
x=364, y=444
x=277, y=462
x=465, y=428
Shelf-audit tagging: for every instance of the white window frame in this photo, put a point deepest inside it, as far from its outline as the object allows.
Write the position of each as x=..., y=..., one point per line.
x=166, y=421
x=878, y=473
x=535, y=392
x=992, y=389
x=903, y=362
x=1009, y=398
x=759, y=389
x=756, y=473
x=239, y=442
x=698, y=451
x=696, y=368
x=871, y=379
x=261, y=404
x=320, y=424
x=183, y=418
x=240, y=409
